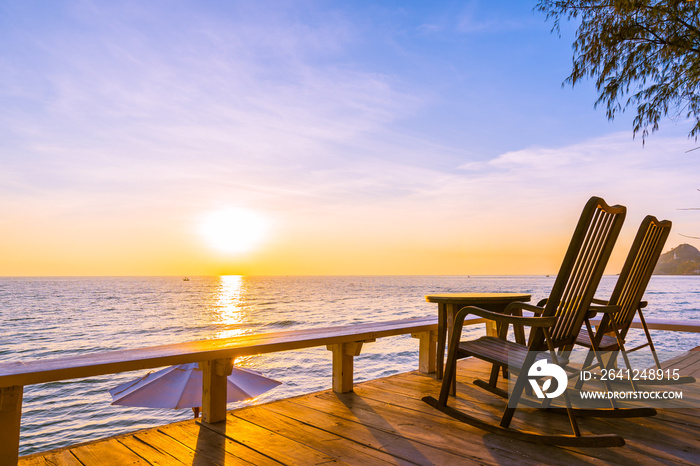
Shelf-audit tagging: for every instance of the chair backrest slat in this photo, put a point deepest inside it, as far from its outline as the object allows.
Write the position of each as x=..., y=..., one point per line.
x=582, y=275
x=636, y=273
x=581, y=271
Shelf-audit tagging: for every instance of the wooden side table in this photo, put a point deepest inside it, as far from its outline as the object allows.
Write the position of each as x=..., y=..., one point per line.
x=450, y=303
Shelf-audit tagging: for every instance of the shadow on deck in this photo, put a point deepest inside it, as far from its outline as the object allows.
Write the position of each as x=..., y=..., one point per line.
x=385, y=422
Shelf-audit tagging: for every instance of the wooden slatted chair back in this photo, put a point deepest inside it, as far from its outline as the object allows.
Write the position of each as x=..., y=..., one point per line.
x=580, y=272
x=639, y=266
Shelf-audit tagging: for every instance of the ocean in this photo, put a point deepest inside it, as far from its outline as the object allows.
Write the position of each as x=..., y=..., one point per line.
x=52, y=317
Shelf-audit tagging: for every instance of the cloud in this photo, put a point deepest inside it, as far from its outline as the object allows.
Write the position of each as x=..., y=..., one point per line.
x=154, y=102
x=657, y=178
x=472, y=20
x=141, y=117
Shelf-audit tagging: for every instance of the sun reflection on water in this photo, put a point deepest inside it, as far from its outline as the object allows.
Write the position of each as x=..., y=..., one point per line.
x=231, y=316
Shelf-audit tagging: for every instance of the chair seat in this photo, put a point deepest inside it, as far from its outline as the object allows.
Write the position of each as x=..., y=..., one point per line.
x=608, y=343
x=497, y=351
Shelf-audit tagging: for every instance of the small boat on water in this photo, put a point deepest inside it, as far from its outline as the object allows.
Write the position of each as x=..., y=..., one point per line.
x=185, y=279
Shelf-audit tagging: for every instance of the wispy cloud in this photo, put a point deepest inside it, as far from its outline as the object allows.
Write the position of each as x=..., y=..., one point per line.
x=473, y=19
x=657, y=178
x=141, y=117
x=216, y=98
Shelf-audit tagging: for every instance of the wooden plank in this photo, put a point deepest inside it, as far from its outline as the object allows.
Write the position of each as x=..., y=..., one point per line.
x=474, y=400
x=397, y=446
x=157, y=447
x=684, y=417
x=390, y=392
x=326, y=442
x=60, y=457
x=210, y=447
x=688, y=364
x=106, y=452
x=692, y=370
x=632, y=429
x=653, y=439
x=682, y=361
x=88, y=365
x=271, y=444
x=532, y=420
x=438, y=431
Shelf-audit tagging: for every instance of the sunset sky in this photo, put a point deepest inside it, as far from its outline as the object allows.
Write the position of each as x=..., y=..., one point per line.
x=310, y=137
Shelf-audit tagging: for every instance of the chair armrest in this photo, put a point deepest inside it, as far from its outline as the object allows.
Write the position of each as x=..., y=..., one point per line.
x=593, y=310
x=642, y=304
x=504, y=318
x=537, y=310
x=601, y=306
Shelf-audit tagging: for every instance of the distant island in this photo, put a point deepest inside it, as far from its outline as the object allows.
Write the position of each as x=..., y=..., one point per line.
x=682, y=260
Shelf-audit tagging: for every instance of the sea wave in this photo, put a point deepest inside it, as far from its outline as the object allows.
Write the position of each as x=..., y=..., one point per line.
x=55, y=317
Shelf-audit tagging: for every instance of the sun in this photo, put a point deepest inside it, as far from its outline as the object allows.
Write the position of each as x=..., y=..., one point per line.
x=234, y=230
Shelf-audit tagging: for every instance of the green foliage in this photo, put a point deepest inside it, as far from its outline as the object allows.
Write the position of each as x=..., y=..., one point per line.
x=641, y=53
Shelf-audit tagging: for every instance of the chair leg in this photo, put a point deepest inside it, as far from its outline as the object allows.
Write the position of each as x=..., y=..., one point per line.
x=570, y=413
x=569, y=410
x=493, y=379
x=609, y=366
x=651, y=344
x=518, y=388
x=449, y=376
x=621, y=347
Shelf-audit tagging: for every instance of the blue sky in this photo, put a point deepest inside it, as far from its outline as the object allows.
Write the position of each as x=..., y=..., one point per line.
x=374, y=137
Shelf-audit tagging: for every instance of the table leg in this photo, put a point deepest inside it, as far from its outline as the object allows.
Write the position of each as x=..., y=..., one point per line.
x=442, y=335
x=519, y=330
x=452, y=310
x=494, y=330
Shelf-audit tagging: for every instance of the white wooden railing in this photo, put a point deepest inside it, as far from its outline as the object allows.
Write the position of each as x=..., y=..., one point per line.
x=216, y=357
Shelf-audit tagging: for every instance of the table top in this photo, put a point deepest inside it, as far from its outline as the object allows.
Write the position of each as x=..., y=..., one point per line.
x=476, y=298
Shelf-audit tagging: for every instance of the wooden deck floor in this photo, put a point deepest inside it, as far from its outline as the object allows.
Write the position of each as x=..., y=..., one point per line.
x=385, y=422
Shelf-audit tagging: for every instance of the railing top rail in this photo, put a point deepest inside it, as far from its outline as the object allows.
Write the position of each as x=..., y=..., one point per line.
x=93, y=364
x=663, y=324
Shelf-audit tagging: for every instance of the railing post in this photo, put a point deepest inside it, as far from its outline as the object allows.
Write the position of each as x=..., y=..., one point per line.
x=343, y=359
x=214, y=374
x=10, y=419
x=427, y=351
x=491, y=329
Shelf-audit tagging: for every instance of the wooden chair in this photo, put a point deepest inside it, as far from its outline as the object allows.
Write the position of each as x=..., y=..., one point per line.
x=554, y=328
x=627, y=296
